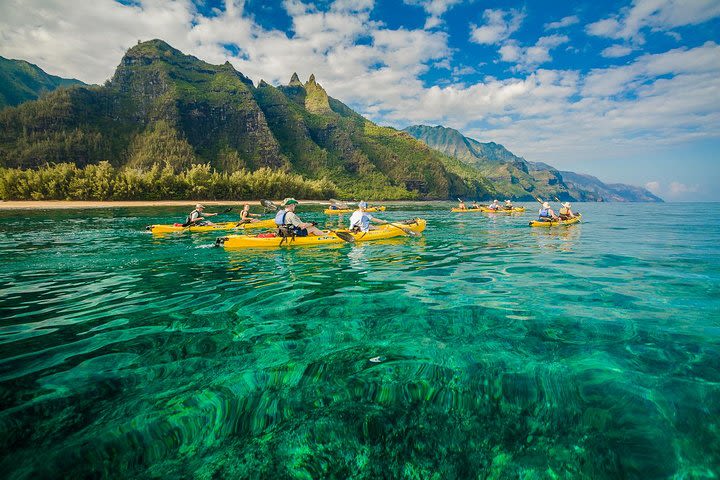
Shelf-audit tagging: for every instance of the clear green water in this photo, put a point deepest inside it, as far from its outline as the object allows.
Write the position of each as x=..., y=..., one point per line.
x=505, y=352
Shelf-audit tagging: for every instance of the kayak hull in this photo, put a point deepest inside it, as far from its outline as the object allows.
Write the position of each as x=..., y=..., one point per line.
x=330, y=211
x=572, y=221
x=217, y=227
x=382, y=232
x=489, y=210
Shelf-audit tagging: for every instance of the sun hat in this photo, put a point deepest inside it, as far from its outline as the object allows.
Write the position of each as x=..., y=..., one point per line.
x=290, y=201
x=363, y=204
x=546, y=205
x=566, y=204
x=507, y=201
x=199, y=205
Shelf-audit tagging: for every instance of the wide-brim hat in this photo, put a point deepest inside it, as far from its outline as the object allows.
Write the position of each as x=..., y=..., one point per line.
x=290, y=201
x=566, y=204
x=546, y=205
x=199, y=205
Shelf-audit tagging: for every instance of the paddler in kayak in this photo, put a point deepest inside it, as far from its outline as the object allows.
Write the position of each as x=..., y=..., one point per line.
x=565, y=212
x=474, y=205
x=197, y=216
x=246, y=216
x=495, y=205
x=461, y=205
x=289, y=223
x=360, y=219
x=546, y=214
x=508, y=205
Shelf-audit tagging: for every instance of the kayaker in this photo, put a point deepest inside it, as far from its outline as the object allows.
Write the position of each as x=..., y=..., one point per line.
x=475, y=205
x=495, y=205
x=246, y=216
x=462, y=206
x=546, y=214
x=197, y=216
x=360, y=219
x=565, y=212
x=287, y=220
x=508, y=205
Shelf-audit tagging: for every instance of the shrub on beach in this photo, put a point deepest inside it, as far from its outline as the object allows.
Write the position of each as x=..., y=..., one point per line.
x=66, y=181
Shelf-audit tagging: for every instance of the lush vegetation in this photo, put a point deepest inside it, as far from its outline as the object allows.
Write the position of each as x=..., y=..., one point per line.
x=21, y=81
x=66, y=181
x=165, y=108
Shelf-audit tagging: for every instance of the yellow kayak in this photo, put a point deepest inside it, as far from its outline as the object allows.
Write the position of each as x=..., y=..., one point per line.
x=382, y=232
x=490, y=210
x=538, y=223
x=330, y=211
x=269, y=223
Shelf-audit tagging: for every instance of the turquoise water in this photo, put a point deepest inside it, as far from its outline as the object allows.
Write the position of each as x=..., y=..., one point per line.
x=484, y=349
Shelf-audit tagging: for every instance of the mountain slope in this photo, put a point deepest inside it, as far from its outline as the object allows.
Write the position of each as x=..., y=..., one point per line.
x=165, y=107
x=21, y=81
x=515, y=177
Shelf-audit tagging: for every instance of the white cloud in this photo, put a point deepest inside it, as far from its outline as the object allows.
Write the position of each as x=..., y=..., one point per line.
x=526, y=58
x=498, y=26
x=654, y=187
x=616, y=51
x=660, y=15
x=677, y=189
x=435, y=10
x=652, y=101
x=563, y=22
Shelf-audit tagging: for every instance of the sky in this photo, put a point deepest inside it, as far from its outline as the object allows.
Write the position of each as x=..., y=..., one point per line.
x=628, y=91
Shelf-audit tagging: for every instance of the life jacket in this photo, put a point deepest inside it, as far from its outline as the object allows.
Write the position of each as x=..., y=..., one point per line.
x=544, y=213
x=280, y=218
x=189, y=217
x=287, y=230
x=564, y=211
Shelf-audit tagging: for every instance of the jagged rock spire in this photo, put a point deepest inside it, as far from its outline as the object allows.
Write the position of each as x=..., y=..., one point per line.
x=295, y=80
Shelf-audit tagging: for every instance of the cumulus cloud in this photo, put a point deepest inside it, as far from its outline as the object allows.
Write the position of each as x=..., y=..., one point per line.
x=435, y=10
x=616, y=51
x=527, y=58
x=654, y=187
x=498, y=26
x=563, y=22
x=654, y=100
x=660, y=15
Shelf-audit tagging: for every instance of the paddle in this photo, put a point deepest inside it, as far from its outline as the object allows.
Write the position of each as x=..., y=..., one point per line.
x=343, y=236
x=404, y=229
x=269, y=205
x=190, y=224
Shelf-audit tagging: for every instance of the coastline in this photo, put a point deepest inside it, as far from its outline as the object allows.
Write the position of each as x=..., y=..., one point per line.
x=83, y=204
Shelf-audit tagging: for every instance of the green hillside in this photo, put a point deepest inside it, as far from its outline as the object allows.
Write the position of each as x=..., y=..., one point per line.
x=21, y=81
x=165, y=108
x=516, y=178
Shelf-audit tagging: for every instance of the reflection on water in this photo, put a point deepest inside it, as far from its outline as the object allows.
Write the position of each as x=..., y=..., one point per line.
x=484, y=348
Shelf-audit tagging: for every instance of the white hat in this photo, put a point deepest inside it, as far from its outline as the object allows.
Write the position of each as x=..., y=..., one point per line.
x=199, y=205
x=546, y=205
x=566, y=204
x=507, y=201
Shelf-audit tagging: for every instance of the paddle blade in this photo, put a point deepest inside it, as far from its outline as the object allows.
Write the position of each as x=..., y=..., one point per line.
x=227, y=210
x=345, y=236
x=268, y=204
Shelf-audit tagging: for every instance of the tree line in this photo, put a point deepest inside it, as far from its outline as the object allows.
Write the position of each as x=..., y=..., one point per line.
x=102, y=181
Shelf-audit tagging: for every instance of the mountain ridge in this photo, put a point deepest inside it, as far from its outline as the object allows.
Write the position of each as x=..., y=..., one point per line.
x=21, y=81
x=164, y=107
x=520, y=179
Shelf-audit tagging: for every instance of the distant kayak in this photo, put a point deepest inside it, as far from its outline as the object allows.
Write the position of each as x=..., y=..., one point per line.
x=330, y=211
x=490, y=210
x=268, y=241
x=177, y=227
x=538, y=223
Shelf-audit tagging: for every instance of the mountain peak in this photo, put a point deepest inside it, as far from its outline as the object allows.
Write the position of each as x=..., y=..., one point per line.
x=295, y=80
x=316, y=100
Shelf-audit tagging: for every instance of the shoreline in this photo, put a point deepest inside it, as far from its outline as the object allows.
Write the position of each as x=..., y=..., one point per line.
x=80, y=204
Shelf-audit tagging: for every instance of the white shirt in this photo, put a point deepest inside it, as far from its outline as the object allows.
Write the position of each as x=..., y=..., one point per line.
x=360, y=219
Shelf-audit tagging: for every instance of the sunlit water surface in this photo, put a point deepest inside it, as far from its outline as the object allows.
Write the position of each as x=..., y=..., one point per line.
x=484, y=349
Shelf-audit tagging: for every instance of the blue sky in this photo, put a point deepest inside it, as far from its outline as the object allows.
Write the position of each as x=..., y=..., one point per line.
x=628, y=91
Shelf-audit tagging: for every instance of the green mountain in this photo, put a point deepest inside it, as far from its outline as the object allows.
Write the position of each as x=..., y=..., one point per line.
x=514, y=177
x=21, y=81
x=164, y=107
